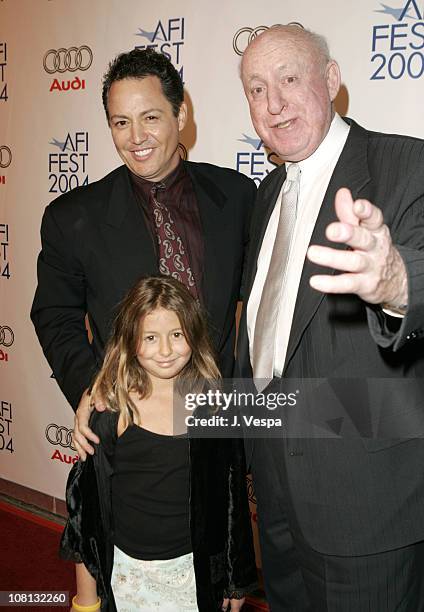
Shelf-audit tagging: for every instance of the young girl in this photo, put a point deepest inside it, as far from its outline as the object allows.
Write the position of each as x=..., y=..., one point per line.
x=157, y=521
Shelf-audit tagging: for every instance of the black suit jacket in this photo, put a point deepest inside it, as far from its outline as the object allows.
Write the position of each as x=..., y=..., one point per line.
x=363, y=493
x=96, y=245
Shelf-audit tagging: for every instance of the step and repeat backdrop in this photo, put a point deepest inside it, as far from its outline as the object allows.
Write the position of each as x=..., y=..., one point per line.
x=54, y=137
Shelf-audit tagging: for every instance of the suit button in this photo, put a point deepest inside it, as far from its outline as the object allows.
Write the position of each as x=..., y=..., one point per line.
x=411, y=336
x=296, y=453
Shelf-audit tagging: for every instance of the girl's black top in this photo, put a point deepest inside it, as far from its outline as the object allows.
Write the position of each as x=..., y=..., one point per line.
x=150, y=494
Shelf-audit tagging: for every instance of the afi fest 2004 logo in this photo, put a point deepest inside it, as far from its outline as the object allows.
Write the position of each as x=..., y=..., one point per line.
x=397, y=41
x=61, y=437
x=4, y=252
x=166, y=36
x=6, y=423
x=254, y=160
x=3, y=66
x=67, y=64
x=67, y=164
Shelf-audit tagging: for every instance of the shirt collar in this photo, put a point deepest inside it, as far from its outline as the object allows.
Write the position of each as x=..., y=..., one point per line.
x=167, y=182
x=329, y=148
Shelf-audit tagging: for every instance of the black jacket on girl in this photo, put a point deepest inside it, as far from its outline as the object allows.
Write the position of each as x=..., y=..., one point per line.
x=221, y=535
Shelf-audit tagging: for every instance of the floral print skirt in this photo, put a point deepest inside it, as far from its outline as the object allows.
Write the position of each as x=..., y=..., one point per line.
x=144, y=586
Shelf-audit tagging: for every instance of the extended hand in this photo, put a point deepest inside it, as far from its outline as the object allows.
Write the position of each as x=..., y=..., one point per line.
x=373, y=268
x=82, y=432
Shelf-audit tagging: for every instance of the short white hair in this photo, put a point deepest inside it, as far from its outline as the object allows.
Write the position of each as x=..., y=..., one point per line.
x=298, y=33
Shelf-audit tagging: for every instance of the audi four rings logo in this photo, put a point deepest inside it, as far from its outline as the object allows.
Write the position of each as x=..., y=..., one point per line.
x=6, y=336
x=5, y=157
x=183, y=151
x=244, y=36
x=58, y=435
x=72, y=59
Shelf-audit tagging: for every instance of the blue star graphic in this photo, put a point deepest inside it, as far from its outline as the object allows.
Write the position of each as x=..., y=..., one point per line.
x=61, y=145
x=148, y=35
x=256, y=143
x=393, y=12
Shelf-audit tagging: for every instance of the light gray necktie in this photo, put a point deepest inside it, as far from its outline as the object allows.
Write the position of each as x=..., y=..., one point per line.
x=269, y=306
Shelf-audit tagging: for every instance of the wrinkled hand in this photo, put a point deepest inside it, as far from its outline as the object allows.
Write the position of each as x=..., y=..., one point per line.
x=232, y=604
x=373, y=268
x=82, y=433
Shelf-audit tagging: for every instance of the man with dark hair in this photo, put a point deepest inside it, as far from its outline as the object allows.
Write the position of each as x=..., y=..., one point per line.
x=156, y=213
x=140, y=64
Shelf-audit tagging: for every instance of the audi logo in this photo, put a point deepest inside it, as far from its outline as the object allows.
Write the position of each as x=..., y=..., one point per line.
x=58, y=435
x=182, y=151
x=72, y=59
x=6, y=336
x=5, y=157
x=244, y=36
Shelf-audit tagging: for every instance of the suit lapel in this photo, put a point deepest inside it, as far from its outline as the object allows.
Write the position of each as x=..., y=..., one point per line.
x=265, y=203
x=351, y=171
x=120, y=199
x=125, y=232
x=211, y=202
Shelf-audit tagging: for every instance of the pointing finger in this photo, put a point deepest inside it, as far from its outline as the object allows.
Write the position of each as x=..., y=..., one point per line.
x=347, y=261
x=340, y=283
x=344, y=207
x=356, y=237
x=370, y=216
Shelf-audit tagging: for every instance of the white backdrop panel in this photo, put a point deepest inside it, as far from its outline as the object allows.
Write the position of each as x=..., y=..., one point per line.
x=53, y=135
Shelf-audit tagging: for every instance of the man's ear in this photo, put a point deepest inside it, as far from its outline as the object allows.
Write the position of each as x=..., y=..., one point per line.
x=333, y=79
x=182, y=116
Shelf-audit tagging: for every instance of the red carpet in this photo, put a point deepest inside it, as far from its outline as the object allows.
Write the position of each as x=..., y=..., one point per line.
x=29, y=558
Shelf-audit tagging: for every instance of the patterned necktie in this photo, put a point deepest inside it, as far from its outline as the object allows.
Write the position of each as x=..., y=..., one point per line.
x=173, y=258
x=269, y=306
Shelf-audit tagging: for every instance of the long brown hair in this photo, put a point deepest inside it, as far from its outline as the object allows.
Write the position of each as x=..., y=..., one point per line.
x=121, y=373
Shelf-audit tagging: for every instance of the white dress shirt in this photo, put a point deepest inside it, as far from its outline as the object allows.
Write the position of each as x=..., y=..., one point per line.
x=316, y=172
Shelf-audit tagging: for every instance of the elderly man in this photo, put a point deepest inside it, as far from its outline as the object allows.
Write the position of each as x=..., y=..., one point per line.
x=156, y=213
x=341, y=511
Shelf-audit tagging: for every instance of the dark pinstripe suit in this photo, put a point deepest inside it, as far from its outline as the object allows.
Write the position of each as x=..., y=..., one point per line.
x=364, y=494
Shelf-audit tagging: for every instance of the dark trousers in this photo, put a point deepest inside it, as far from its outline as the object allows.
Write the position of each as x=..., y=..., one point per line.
x=300, y=579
